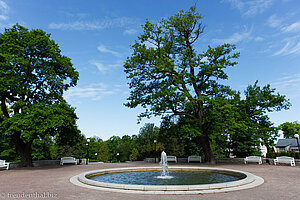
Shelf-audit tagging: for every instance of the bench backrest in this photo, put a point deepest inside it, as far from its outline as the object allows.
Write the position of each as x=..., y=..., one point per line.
x=171, y=157
x=194, y=157
x=284, y=158
x=67, y=158
x=253, y=158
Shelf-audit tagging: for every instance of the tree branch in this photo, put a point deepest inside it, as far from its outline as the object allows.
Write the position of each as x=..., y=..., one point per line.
x=176, y=112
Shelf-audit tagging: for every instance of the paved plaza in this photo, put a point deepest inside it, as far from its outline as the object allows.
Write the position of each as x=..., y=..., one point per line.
x=53, y=182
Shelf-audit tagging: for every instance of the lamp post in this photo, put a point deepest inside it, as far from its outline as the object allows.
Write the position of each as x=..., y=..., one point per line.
x=118, y=157
x=87, y=154
x=297, y=138
x=155, y=152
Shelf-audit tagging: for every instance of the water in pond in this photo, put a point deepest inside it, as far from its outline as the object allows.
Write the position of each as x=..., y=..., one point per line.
x=179, y=178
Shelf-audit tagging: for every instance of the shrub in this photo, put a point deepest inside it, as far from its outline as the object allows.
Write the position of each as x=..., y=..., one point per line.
x=134, y=155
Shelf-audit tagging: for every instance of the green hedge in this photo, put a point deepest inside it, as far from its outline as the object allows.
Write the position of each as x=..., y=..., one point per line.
x=296, y=155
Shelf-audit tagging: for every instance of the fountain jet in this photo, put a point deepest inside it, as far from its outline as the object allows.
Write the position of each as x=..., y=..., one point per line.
x=164, y=165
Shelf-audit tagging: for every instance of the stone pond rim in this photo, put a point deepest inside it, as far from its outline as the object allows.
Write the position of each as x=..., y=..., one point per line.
x=249, y=181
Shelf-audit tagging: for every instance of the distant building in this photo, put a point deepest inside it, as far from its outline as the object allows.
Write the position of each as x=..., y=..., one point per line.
x=287, y=145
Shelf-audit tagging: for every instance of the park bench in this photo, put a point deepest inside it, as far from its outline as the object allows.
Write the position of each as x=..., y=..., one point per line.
x=285, y=160
x=68, y=160
x=172, y=159
x=194, y=158
x=253, y=159
x=4, y=164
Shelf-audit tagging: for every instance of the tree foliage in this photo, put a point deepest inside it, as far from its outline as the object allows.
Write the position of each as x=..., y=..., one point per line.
x=178, y=138
x=260, y=101
x=134, y=156
x=289, y=129
x=33, y=77
x=103, y=153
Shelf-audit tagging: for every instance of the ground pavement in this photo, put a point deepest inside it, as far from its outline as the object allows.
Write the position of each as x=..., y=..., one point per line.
x=53, y=182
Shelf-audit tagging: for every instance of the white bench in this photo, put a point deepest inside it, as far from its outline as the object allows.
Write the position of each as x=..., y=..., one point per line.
x=194, y=158
x=4, y=164
x=172, y=159
x=253, y=159
x=68, y=160
x=285, y=160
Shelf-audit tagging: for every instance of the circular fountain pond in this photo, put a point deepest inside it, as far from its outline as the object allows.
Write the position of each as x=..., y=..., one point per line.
x=182, y=177
x=181, y=180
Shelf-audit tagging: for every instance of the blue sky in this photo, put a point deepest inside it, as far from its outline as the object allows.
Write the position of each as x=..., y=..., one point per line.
x=96, y=35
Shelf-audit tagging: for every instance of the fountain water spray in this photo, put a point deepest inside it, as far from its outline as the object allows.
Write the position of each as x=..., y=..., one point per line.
x=164, y=165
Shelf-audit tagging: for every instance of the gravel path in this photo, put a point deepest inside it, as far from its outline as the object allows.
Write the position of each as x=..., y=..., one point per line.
x=52, y=182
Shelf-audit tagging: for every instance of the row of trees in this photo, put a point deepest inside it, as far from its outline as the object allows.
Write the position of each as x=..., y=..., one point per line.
x=172, y=136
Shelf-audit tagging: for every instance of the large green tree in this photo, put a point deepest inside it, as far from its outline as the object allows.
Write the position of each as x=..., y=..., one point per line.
x=33, y=77
x=247, y=121
x=258, y=103
x=289, y=129
x=167, y=74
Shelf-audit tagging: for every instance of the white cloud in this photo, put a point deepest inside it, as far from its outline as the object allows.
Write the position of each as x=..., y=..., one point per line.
x=250, y=7
x=94, y=92
x=291, y=47
x=3, y=17
x=94, y=25
x=259, y=39
x=100, y=66
x=243, y=36
x=130, y=31
x=275, y=22
x=3, y=5
x=280, y=24
x=288, y=38
x=236, y=37
x=106, y=68
x=288, y=85
x=104, y=49
x=3, y=10
x=295, y=27
x=258, y=6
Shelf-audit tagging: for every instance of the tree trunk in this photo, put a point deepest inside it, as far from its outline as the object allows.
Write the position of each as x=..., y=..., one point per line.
x=24, y=148
x=208, y=154
x=205, y=143
x=268, y=147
